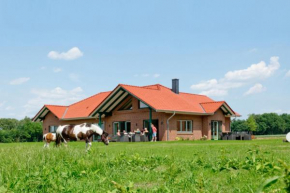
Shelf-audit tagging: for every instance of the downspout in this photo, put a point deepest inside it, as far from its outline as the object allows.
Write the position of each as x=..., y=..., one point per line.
x=168, y=125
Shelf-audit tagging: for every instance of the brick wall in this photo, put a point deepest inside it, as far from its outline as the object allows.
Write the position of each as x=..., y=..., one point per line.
x=52, y=120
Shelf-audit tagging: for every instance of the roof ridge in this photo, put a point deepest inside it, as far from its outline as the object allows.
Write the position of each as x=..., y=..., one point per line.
x=193, y=94
x=87, y=98
x=212, y=102
x=144, y=87
x=56, y=105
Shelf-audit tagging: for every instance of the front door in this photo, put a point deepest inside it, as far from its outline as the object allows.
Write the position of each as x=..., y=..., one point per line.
x=216, y=130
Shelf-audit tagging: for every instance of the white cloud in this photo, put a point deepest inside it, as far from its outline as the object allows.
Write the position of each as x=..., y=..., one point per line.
x=215, y=92
x=55, y=96
x=238, y=78
x=56, y=70
x=255, y=71
x=257, y=88
x=288, y=74
x=156, y=75
x=19, y=81
x=71, y=54
x=43, y=68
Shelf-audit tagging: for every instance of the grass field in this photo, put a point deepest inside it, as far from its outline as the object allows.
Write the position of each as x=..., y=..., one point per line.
x=183, y=166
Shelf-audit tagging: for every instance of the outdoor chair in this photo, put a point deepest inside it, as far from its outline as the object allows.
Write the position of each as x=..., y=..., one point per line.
x=136, y=137
x=124, y=138
x=115, y=138
x=225, y=136
x=232, y=136
x=144, y=138
x=247, y=136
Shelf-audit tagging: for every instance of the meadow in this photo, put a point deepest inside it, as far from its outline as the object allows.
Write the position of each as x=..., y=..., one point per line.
x=177, y=166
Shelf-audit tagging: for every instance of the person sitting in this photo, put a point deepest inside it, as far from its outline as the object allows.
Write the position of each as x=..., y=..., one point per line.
x=125, y=132
x=137, y=131
x=142, y=131
x=118, y=133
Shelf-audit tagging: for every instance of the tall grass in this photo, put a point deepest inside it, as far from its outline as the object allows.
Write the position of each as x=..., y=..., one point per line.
x=185, y=166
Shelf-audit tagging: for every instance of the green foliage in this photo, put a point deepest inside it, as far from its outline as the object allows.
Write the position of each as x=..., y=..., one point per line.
x=239, y=125
x=251, y=122
x=264, y=124
x=20, y=131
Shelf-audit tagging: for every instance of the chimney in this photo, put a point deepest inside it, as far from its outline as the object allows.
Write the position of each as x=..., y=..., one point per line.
x=175, y=85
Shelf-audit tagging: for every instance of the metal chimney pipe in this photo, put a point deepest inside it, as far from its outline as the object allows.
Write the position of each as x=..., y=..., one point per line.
x=175, y=85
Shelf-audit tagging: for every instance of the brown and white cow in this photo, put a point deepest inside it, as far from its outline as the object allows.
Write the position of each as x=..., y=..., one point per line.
x=83, y=131
x=49, y=137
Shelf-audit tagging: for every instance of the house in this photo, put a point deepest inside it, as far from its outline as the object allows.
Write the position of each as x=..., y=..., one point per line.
x=174, y=113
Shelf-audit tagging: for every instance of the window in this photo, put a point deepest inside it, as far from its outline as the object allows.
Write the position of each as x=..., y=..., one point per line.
x=142, y=105
x=52, y=129
x=184, y=126
x=127, y=105
x=121, y=125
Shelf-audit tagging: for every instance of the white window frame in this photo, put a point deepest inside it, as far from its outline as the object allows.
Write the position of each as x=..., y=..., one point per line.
x=187, y=130
x=54, y=128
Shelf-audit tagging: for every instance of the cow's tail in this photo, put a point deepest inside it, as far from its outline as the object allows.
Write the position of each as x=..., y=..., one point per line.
x=58, y=139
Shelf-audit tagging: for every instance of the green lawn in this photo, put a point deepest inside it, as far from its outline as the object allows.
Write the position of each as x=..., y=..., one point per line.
x=183, y=166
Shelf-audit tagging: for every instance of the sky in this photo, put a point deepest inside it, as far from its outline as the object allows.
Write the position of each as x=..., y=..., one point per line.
x=60, y=52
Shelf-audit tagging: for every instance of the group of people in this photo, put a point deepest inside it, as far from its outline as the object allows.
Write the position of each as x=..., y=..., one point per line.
x=142, y=132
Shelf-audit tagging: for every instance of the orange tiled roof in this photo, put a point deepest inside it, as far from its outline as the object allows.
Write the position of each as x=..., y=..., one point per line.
x=56, y=110
x=157, y=96
x=162, y=98
x=79, y=109
x=85, y=107
x=211, y=107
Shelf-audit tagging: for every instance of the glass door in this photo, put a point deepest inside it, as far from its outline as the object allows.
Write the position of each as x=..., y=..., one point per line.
x=216, y=130
x=116, y=127
x=214, y=125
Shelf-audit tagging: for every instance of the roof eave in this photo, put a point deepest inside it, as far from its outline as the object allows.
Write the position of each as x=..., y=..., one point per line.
x=183, y=112
x=36, y=117
x=77, y=118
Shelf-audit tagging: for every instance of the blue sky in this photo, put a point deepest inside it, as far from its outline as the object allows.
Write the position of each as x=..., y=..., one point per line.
x=59, y=52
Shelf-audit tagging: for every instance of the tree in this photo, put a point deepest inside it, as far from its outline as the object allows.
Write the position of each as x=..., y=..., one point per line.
x=286, y=118
x=239, y=125
x=8, y=124
x=251, y=123
x=20, y=131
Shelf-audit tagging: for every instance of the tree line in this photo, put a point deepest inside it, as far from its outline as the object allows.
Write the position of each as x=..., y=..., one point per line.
x=263, y=124
x=13, y=130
